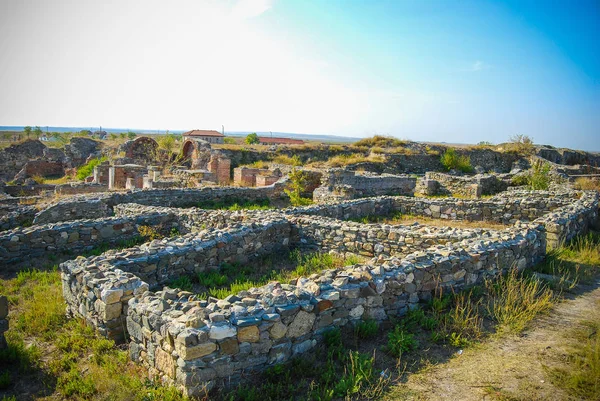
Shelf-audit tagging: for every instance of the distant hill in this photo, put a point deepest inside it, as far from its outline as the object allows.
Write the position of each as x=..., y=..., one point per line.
x=306, y=137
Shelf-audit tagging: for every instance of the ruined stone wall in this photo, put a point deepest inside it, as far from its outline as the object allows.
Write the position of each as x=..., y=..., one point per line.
x=340, y=184
x=465, y=186
x=194, y=343
x=197, y=344
x=374, y=240
x=39, y=245
x=101, y=205
x=16, y=217
x=87, y=281
x=80, y=188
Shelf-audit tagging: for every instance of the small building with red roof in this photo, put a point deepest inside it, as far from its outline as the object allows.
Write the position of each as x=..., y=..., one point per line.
x=210, y=136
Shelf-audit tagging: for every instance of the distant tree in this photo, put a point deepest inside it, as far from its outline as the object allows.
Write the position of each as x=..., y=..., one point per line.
x=167, y=142
x=252, y=139
x=113, y=136
x=123, y=135
x=131, y=135
x=37, y=131
x=27, y=131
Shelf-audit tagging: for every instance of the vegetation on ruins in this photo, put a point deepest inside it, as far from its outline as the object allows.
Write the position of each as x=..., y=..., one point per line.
x=538, y=178
x=291, y=161
x=451, y=160
x=296, y=187
x=88, y=169
x=236, y=204
x=167, y=143
x=587, y=184
x=380, y=141
x=354, y=158
x=521, y=144
x=232, y=278
x=252, y=139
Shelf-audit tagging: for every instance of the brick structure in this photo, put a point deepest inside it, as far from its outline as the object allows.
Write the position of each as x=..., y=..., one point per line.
x=118, y=176
x=220, y=166
x=255, y=177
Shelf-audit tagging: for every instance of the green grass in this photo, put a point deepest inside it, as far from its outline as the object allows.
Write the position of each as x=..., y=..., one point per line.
x=366, y=329
x=580, y=375
x=401, y=341
x=453, y=161
x=88, y=169
x=230, y=279
x=236, y=204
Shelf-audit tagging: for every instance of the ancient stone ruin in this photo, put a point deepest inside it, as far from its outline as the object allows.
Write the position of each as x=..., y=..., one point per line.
x=197, y=343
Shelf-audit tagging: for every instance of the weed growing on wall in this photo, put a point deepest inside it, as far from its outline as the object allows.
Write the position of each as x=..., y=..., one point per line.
x=296, y=187
x=453, y=161
x=88, y=169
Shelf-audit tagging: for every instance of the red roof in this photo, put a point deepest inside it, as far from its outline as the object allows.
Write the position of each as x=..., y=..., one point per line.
x=202, y=132
x=287, y=141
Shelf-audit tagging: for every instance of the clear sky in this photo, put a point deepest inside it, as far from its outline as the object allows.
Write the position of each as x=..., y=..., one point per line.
x=453, y=71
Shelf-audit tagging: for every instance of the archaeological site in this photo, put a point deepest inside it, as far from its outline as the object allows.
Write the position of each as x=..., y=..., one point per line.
x=140, y=232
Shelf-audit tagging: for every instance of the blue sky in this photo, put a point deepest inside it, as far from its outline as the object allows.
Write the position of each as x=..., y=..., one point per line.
x=453, y=71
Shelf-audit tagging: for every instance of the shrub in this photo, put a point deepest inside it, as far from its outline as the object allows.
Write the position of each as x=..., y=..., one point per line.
x=229, y=140
x=587, y=184
x=540, y=178
x=149, y=233
x=453, y=161
x=380, y=141
x=290, y=161
x=296, y=187
x=522, y=144
x=366, y=329
x=87, y=169
x=400, y=341
x=515, y=300
x=252, y=139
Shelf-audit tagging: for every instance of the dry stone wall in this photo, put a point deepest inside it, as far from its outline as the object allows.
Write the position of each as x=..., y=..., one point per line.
x=101, y=205
x=51, y=243
x=196, y=344
x=119, y=273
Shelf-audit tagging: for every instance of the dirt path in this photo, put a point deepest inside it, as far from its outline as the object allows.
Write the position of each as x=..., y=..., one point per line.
x=509, y=368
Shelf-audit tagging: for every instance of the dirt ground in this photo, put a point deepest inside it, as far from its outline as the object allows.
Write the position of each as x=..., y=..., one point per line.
x=508, y=368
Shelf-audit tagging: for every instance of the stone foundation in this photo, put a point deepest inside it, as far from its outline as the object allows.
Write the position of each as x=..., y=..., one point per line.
x=196, y=344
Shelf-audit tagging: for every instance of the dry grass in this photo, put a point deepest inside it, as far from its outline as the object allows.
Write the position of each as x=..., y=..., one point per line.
x=580, y=376
x=516, y=300
x=404, y=219
x=584, y=183
x=354, y=158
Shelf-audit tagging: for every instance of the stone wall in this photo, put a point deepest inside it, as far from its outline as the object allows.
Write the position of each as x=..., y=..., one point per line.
x=17, y=217
x=196, y=343
x=77, y=188
x=52, y=243
x=465, y=186
x=101, y=205
x=341, y=184
x=157, y=263
x=371, y=240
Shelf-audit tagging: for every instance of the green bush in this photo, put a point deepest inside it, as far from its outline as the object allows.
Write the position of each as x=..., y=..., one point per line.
x=453, y=161
x=88, y=169
x=400, y=341
x=540, y=178
x=366, y=329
